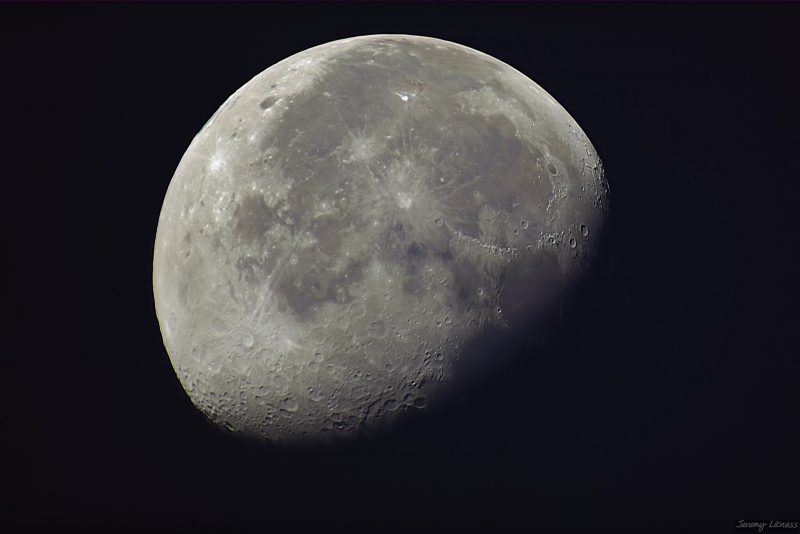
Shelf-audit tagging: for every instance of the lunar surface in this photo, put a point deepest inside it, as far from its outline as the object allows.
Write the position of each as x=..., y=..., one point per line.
x=351, y=219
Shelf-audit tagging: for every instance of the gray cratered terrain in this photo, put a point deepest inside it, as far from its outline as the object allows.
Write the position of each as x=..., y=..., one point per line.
x=352, y=218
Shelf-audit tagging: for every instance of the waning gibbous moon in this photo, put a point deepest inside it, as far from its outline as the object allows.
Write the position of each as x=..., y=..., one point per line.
x=351, y=219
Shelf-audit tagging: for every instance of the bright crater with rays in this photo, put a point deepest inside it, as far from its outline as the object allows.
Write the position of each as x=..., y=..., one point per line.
x=352, y=220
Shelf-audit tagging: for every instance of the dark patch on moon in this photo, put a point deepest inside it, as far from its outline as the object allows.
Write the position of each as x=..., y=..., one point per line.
x=312, y=282
x=268, y=102
x=252, y=218
x=466, y=281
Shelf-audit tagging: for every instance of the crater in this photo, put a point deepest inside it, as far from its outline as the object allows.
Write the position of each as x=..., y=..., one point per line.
x=268, y=102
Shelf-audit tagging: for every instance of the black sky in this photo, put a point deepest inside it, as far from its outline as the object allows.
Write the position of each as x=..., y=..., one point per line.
x=666, y=398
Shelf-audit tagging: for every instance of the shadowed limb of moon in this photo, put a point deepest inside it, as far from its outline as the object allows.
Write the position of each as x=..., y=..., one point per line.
x=353, y=227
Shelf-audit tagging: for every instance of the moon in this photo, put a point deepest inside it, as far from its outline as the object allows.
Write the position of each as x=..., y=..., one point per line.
x=352, y=219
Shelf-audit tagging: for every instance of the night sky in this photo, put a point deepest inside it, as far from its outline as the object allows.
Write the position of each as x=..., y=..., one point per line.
x=664, y=398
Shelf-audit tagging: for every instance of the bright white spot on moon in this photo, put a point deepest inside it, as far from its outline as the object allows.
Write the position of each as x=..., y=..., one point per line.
x=404, y=200
x=327, y=258
x=217, y=162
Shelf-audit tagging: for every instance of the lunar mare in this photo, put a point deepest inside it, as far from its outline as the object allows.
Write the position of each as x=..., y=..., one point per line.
x=349, y=221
